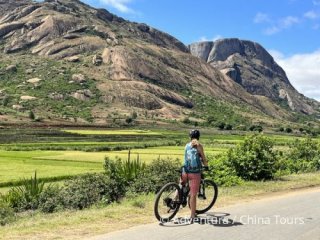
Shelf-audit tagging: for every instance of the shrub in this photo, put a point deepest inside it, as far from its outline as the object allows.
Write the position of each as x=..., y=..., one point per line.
x=186, y=120
x=254, y=159
x=257, y=128
x=304, y=156
x=156, y=174
x=6, y=213
x=222, y=172
x=83, y=191
x=51, y=199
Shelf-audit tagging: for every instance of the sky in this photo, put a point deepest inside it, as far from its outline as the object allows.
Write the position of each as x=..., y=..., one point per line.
x=288, y=29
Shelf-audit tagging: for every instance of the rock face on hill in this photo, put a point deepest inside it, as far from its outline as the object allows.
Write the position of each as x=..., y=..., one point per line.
x=250, y=65
x=92, y=60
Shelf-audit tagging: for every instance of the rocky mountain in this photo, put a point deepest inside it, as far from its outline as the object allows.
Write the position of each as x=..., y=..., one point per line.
x=250, y=65
x=66, y=61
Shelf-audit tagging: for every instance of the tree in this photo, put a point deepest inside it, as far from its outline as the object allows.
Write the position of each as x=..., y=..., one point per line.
x=221, y=125
x=31, y=115
x=288, y=130
x=129, y=120
x=228, y=127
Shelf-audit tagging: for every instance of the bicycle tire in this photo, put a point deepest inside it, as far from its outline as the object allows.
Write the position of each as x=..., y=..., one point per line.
x=159, y=215
x=214, y=198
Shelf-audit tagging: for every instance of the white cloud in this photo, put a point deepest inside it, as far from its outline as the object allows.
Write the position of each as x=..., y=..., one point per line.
x=271, y=30
x=311, y=15
x=205, y=39
x=302, y=70
x=261, y=18
x=121, y=5
x=281, y=24
x=316, y=2
x=215, y=38
x=316, y=26
x=288, y=21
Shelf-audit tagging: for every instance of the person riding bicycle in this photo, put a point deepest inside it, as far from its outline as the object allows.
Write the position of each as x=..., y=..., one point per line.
x=194, y=158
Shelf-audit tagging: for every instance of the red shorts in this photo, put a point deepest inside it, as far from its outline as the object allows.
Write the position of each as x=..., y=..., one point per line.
x=194, y=181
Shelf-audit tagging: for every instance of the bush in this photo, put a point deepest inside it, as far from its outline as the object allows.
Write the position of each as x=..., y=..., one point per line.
x=6, y=213
x=51, y=199
x=186, y=120
x=222, y=172
x=221, y=125
x=156, y=174
x=304, y=156
x=257, y=128
x=254, y=159
x=83, y=191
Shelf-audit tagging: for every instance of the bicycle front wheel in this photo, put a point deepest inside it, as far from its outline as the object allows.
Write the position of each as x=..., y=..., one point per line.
x=207, y=196
x=167, y=202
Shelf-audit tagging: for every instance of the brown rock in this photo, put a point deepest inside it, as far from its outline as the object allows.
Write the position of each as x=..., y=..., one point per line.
x=79, y=78
x=34, y=80
x=17, y=107
x=73, y=59
x=11, y=68
x=97, y=60
x=82, y=95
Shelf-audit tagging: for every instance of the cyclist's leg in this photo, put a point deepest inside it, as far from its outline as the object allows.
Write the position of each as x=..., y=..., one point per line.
x=194, y=182
x=182, y=181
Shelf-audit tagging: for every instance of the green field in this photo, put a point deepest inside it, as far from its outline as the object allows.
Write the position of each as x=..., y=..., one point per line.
x=60, y=154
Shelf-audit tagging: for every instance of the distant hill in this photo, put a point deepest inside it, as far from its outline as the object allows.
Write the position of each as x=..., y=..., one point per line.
x=67, y=62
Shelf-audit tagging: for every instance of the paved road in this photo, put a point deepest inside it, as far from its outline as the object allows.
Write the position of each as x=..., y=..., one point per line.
x=290, y=216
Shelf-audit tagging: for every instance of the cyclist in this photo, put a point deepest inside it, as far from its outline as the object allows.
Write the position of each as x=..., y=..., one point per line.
x=191, y=172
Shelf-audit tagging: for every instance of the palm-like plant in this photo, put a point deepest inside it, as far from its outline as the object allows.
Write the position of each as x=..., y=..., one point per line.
x=26, y=196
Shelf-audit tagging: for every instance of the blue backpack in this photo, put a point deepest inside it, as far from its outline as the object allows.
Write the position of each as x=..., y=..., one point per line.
x=192, y=163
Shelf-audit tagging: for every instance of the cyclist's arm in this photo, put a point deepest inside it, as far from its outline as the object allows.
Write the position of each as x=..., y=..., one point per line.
x=203, y=157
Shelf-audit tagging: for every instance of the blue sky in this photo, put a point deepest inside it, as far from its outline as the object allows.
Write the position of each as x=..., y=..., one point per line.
x=288, y=29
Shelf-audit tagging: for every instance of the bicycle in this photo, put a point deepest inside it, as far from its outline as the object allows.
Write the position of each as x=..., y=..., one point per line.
x=171, y=196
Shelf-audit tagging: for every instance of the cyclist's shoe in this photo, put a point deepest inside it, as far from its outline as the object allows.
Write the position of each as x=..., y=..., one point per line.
x=167, y=202
x=202, y=196
x=170, y=203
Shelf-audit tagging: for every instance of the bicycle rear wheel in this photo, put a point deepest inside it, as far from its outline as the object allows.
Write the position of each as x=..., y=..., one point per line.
x=207, y=196
x=167, y=202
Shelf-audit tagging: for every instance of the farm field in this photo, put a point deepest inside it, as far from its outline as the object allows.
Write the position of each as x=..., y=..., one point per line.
x=60, y=154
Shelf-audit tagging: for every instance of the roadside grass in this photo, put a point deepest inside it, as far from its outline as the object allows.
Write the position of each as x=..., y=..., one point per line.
x=135, y=211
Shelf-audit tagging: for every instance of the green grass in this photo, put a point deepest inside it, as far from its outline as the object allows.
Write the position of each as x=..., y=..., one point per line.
x=17, y=165
x=114, y=132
